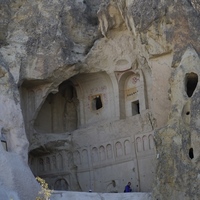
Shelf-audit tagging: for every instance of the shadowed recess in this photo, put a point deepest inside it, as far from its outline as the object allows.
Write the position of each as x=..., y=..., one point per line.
x=191, y=80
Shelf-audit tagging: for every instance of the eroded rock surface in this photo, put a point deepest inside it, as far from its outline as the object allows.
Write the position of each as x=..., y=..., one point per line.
x=177, y=142
x=16, y=177
x=95, y=79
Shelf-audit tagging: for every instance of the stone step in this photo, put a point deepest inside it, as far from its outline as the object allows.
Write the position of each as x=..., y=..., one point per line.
x=63, y=195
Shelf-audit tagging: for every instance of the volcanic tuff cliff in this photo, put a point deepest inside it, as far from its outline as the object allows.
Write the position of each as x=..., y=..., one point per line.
x=46, y=42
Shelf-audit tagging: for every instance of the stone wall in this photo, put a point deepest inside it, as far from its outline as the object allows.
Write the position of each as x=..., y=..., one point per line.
x=129, y=133
x=86, y=84
x=99, y=153
x=180, y=136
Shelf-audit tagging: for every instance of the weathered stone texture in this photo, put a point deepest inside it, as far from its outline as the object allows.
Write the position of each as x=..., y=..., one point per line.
x=178, y=156
x=90, y=81
x=15, y=176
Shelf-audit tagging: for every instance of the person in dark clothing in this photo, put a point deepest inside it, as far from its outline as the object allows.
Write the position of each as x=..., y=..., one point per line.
x=128, y=187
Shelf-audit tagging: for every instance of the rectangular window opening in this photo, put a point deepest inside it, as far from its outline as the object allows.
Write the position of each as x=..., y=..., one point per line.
x=96, y=102
x=135, y=108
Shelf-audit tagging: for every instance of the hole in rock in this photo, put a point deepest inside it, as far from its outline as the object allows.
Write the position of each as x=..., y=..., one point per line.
x=187, y=113
x=97, y=103
x=191, y=80
x=191, y=153
x=135, y=108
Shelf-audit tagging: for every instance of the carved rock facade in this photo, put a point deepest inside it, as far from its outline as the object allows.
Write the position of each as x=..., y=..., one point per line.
x=89, y=82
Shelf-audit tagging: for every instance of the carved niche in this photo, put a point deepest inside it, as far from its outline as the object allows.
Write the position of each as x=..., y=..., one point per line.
x=59, y=111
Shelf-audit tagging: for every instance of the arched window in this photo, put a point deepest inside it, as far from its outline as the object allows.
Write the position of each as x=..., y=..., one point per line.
x=48, y=164
x=102, y=153
x=139, y=144
x=41, y=164
x=61, y=184
x=119, y=151
x=95, y=155
x=127, y=147
x=145, y=143
x=151, y=142
x=77, y=158
x=60, y=161
x=109, y=151
x=131, y=92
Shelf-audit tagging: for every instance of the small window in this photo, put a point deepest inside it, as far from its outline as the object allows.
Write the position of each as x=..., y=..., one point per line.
x=135, y=108
x=191, y=80
x=96, y=102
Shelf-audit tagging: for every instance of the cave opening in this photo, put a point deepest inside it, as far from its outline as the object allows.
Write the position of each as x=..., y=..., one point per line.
x=191, y=153
x=191, y=80
x=58, y=113
x=97, y=103
x=135, y=108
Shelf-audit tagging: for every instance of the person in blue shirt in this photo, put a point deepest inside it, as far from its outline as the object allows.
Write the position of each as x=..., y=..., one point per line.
x=128, y=187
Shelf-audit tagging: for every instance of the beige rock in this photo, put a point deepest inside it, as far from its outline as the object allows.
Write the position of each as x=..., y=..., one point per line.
x=88, y=83
x=177, y=142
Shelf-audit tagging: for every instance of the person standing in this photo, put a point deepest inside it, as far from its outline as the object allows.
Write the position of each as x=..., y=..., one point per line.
x=128, y=187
